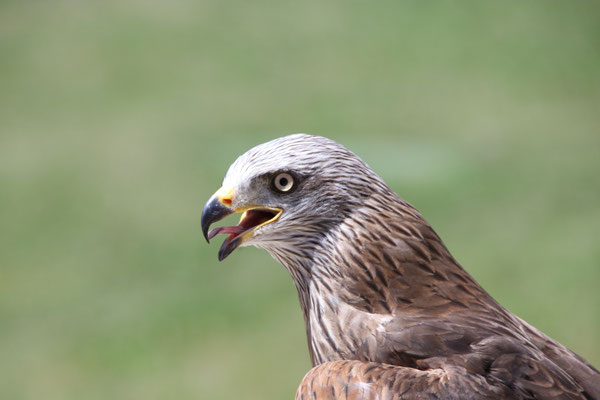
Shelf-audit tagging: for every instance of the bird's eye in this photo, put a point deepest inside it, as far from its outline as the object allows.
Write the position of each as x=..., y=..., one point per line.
x=283, y=182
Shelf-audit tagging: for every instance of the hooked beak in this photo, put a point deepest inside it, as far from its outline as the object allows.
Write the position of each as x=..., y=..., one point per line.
x=253, y=217
x=213, y=211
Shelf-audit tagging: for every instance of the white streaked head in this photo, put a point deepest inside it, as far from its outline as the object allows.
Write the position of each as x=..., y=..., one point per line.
x=314, y=182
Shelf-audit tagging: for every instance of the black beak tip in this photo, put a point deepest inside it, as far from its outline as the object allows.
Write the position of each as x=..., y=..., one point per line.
x=205, y=226
x=213, y=211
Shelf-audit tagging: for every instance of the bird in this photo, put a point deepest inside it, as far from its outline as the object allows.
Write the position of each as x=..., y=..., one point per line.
x=389, y=313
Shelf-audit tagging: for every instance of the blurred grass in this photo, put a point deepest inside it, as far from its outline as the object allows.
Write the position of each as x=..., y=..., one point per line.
x=119, y=119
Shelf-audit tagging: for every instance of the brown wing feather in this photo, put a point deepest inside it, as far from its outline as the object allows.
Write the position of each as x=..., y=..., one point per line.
x=359, y=380
x=495, y=368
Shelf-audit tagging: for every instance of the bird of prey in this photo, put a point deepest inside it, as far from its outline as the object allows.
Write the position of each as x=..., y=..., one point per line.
x=389, y=313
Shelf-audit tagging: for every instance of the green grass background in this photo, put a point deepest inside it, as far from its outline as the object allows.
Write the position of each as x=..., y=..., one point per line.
x=118, y=119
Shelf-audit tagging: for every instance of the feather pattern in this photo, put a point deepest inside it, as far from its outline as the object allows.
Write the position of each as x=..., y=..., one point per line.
x=389, y=313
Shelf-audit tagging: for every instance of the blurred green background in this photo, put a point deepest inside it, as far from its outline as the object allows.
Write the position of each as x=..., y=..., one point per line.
x=118, y=119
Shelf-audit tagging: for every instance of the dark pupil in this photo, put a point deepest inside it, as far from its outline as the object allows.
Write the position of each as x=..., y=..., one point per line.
x=283, y=181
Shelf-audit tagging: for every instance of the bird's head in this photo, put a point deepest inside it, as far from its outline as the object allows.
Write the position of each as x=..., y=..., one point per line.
x=291, y=192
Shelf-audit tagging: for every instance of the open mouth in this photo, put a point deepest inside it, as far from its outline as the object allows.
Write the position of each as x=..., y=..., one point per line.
x=250, y=221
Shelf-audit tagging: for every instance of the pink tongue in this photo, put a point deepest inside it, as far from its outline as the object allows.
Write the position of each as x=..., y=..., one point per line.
x=227, y=230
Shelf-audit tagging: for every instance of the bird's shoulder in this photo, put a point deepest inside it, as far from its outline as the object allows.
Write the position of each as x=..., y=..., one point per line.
x=497, y=368
x=441, y=317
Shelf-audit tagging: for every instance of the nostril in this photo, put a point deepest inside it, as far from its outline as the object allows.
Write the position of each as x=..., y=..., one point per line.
x=227, y=202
